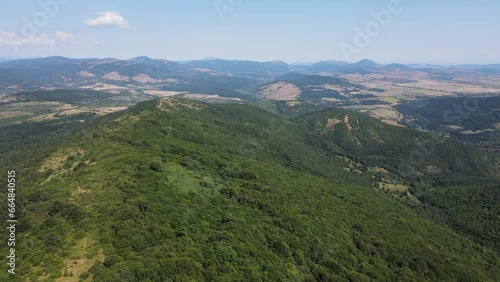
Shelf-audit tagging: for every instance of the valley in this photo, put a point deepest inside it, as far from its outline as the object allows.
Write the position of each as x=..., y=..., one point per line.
x=364, y=86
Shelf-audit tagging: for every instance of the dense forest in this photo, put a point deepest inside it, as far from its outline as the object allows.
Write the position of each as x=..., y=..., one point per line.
x=473, y=120
x=178, y=190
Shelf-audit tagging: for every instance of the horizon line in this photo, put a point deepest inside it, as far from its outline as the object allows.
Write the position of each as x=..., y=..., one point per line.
x=294, y=62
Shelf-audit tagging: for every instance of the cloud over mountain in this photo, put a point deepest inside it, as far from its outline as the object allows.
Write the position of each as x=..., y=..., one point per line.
x=14, y=39
x=63, y=36
x=111, y=19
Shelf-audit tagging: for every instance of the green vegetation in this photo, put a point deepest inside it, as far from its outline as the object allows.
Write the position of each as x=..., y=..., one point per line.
x=474, y=120
x=63, y=105
x=80, y=97
x=302, y=80
x=471, y=209
x=224, y=86
x=177, y=190
x=312, y=86
x=64, y=96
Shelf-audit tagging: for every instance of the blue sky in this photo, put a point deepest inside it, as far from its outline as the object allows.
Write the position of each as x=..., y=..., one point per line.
x=421, y=31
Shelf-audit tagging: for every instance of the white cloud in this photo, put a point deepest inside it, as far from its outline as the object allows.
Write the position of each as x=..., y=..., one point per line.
x=65, y=39
x=9, y=38
x=61, y=40
x=64, y=36
x=14, y=39
x=112, y=19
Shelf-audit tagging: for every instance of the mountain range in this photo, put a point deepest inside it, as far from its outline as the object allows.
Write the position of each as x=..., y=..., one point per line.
x=232, y=79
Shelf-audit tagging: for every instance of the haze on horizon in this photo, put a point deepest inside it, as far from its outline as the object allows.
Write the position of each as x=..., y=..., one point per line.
x=404, y=31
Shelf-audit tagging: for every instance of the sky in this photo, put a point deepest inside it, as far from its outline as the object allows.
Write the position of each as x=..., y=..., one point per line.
x=386, y=31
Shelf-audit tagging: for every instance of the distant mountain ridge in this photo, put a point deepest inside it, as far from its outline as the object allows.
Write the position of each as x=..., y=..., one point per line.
x=236, y=79
x=229, y=65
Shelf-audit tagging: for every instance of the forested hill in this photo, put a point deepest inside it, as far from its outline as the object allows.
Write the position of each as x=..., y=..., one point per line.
x=177, y=190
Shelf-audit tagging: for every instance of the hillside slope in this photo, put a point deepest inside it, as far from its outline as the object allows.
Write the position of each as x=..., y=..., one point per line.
x=176, y=190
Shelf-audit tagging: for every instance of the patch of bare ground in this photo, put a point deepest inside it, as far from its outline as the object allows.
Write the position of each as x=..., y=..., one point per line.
x=408, y=84
x=209, y=71
x=338, y=89
x=13, y=87
x=107, y=110
x=333, y=87
x=281, y=91
x=332, y=122
x=64, y=107
x=80, y=196
x=472, y=132
x=86, y=74
x=169, y=104
x=454, y=127
x=73, y=111
x=50, y=116
x=349, y=124
x=33, y=111
x=385, y=113
x=346, y=122
x=109, y=88
x=115, y=76
x=378, y=169
x=14, y=114
x=433, y=169
x=82, y=261
x=491, y=80
x=330, y=99
x=160, y=93
x=393, y=187
x=34, y=104
x=293, y=103
x=144, y=78
x=61, y=162
x=4, y=98
x=208, y=97
x=171, y=80
x=452, y=87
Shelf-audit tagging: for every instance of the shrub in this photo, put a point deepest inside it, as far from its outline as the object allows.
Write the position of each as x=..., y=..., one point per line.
x=156, y=166
x=207, y=182
x=85, y=275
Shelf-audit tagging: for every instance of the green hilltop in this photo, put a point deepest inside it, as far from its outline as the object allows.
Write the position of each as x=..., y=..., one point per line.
x=178, y=190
